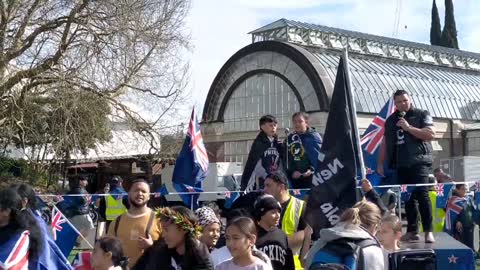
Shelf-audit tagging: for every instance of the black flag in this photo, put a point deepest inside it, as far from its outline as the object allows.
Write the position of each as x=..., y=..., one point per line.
x=334, y=181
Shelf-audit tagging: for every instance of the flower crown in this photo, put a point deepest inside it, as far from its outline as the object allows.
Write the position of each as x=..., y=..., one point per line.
x=179, y=220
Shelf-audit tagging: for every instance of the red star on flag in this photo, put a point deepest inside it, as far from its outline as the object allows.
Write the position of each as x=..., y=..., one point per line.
x=452, y=259
x=296, y=192
x=227, y=194
x=403, y=188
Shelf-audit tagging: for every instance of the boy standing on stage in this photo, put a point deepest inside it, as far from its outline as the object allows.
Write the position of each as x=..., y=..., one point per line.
x=264, y=157
x=303, y=147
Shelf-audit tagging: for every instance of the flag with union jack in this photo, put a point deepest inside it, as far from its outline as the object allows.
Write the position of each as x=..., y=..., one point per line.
x=63, y=232
x=371, y=140
x=454, y=208
x=444, y=191
x=192, y=163
x=14, y=253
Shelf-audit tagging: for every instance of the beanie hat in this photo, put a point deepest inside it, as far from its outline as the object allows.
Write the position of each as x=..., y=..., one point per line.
x=206, y=216
x=263, y=204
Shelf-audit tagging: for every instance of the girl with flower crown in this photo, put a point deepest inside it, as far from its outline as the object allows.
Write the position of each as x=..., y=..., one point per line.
x=179, y=249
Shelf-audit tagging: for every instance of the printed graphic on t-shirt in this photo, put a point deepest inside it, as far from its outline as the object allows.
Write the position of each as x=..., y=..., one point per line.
x=275, y=253
x=400, y=137
x=296, y=148
x=428, y=120
x=270, y=159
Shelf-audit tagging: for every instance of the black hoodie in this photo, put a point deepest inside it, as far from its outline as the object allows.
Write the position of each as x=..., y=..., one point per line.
x=275, y=245
x=265, y=157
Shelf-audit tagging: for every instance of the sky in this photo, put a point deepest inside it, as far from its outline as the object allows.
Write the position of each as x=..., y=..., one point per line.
x=219, y=27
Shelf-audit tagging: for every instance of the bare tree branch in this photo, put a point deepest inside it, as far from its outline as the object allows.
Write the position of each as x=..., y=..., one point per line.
x=70, y=68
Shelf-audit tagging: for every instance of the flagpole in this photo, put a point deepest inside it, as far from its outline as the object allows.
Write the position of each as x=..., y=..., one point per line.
x=354, y=115
x=191, y=202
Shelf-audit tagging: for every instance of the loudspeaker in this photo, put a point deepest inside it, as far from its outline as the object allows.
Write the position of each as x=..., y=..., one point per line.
x=419, y=259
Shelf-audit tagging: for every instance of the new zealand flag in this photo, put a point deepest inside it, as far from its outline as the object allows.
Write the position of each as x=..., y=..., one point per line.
x=14, y=253
x=454, y=209
x=192, y=164
x=63, y=232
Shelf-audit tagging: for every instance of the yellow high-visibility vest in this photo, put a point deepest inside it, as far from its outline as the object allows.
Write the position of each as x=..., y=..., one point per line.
x=114, y=208
x=290, y=221
x=438, y=214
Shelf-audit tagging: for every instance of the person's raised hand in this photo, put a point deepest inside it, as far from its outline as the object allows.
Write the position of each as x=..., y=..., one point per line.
x=366, y=185
x=144, y=243
x=403, y=124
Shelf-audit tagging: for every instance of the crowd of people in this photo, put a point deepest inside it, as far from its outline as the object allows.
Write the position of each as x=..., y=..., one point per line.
x=265, y=229
x=143, y=238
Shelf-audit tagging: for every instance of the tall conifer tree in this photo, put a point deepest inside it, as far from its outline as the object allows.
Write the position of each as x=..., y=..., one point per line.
x=449, y=33
x=435, y=28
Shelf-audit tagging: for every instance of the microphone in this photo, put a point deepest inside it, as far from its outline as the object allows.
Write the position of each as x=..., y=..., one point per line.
x=287, y=131
x=401, y=114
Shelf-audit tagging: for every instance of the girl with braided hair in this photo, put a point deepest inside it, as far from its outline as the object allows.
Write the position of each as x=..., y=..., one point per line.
x=179, y=248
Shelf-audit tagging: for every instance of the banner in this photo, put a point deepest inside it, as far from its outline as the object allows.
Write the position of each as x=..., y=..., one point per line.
x=334, y=180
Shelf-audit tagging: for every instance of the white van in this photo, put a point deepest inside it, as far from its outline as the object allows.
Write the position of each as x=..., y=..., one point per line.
x=222, y=177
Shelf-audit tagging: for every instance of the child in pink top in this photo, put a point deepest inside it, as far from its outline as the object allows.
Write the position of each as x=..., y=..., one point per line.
x=241, y=235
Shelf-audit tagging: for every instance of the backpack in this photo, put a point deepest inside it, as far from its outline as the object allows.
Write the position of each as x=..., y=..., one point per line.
x=341, y=254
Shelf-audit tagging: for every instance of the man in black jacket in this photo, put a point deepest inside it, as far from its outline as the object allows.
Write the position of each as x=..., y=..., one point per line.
x=407, y=147
x=265, y=155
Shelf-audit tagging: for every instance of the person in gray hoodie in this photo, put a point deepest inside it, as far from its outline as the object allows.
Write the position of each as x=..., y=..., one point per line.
x=357, y=223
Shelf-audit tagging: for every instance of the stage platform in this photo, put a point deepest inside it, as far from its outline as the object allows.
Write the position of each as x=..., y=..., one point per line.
x=451, y=254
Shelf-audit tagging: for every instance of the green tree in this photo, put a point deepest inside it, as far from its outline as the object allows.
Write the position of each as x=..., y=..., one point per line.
x=435, y=28
x=449, y=33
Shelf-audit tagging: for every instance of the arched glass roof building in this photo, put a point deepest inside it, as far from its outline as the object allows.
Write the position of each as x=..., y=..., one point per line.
x=291, y=66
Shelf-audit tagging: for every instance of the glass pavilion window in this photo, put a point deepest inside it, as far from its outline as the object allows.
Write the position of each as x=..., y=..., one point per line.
x=237, y=151
x=258, y=95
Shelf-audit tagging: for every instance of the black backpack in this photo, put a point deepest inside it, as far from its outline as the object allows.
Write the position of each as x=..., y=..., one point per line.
x=342, y=254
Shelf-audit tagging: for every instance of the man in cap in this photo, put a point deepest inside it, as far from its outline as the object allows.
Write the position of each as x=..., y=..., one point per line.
x=291, y=215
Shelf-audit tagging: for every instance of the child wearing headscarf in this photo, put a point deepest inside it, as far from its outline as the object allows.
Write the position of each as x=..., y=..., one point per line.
x=210, y=227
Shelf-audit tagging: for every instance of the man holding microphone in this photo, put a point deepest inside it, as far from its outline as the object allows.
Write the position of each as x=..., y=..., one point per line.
x=408, y=150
